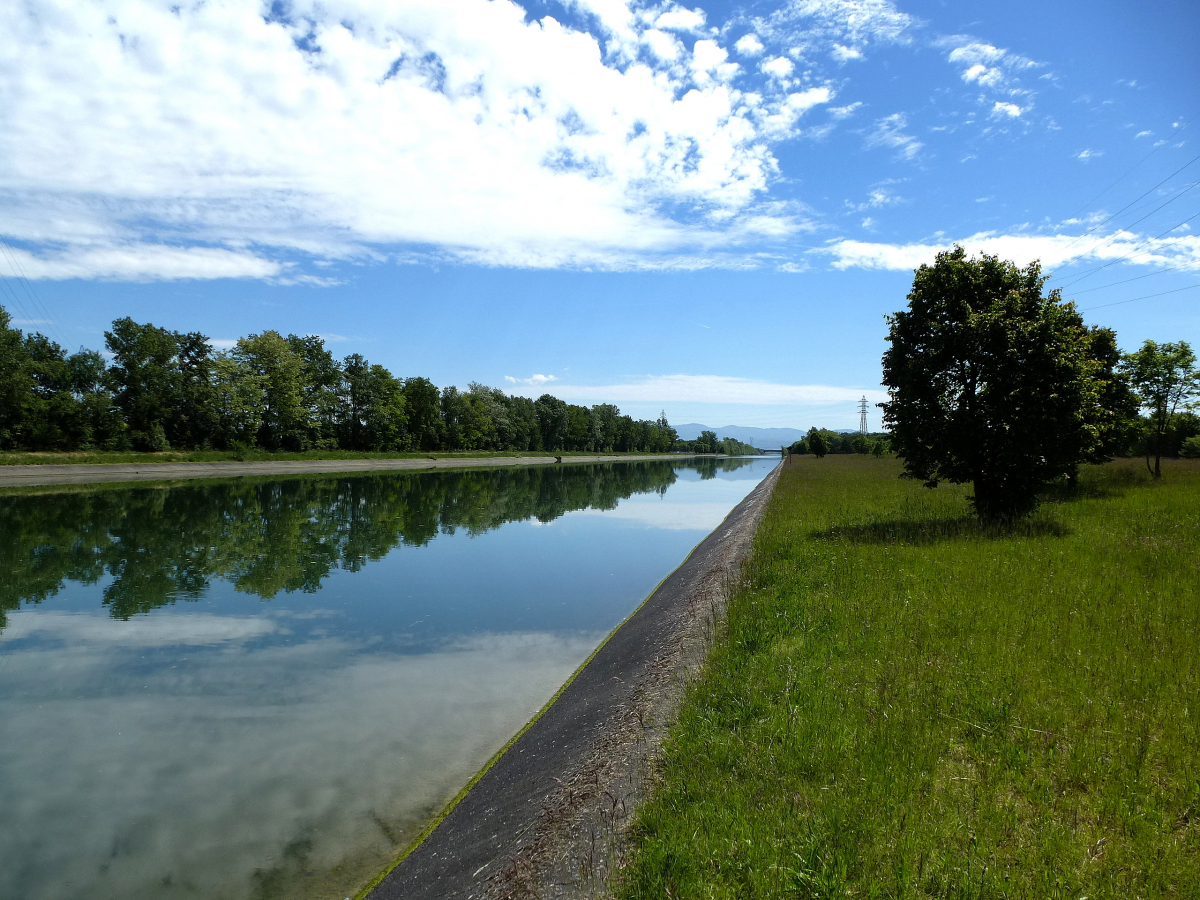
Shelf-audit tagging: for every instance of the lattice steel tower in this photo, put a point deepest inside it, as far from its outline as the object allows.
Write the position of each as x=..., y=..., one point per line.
x=862, y=415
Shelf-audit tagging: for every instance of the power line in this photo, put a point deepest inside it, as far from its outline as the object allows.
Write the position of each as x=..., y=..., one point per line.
x=1135, y=165
x=1091, y=272
x=1190, y=287
x=43, y=312
x=1114, y=236
x=1136, y=278
x=1127, y=205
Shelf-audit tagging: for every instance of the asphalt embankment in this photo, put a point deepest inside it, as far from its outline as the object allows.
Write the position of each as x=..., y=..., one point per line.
x=492, y=826
x=51, y=474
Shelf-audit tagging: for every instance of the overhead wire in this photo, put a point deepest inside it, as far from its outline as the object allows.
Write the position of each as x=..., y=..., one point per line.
x=1190, y=287
x=43, y=312
x=1090, y=272
x=1115, y=235
x=1133, y=167
x=1125, y=207
x=1136, y=278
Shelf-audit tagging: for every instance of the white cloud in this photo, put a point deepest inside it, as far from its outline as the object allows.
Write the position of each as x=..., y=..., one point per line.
x=843, y=112
x=878, y=197
x=712, y=389
x=852, y=23
x=889, y=132
x=663, y=45
x=778, y=67
x=152, y=139
x=533, y=381
x=1142, y=134
x=993, y=68
x=842, y=53
x=1054, y=250
x=134, y=261
x=680, y=19
x=1085, y=155
x=749, y=45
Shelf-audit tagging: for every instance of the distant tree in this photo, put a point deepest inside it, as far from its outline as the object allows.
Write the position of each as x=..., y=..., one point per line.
x=880, y=447
x=239, y=397
x=320, y=392
x=422, y=402
x=1165, y=379
x=991, y=382
x=194, y=422
x=1114, y=412
x=271, y=357
x=818, y=445
x=374, y=415
x=1191, y=448
x=552, y=421
x=799, y=447
x=15, y=383
x=145, y=379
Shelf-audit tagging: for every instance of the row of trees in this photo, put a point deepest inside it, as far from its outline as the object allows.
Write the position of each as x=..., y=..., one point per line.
x=167, y=389
x=994, y=383
x=821, y=441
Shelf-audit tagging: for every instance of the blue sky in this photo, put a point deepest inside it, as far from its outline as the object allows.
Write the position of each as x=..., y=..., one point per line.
x=704, y=208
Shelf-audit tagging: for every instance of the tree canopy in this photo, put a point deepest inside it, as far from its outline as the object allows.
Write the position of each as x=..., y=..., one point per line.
x=991, y=382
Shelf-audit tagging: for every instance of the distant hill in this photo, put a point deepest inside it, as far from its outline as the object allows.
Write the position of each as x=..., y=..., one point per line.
x=762, y=438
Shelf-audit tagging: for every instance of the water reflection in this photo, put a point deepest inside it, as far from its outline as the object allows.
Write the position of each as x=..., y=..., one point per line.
x=270, y=536
x=230, y=747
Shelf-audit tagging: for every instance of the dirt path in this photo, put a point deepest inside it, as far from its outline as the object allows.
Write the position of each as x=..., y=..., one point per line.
x=547, y=818
x=50, y=474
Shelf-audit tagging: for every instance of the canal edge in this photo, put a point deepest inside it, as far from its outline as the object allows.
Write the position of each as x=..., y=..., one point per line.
x=749, y=513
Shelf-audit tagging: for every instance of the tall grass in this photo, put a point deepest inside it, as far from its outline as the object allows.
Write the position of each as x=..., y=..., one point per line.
x=908, y=704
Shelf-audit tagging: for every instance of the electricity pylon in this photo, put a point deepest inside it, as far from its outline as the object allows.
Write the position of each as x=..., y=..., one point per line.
x=862, y=415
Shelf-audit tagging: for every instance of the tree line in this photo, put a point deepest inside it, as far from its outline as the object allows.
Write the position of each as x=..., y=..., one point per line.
x=820, y=441
x=165, y=389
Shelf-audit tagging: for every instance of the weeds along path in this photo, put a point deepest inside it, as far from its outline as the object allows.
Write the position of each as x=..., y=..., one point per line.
x=908, y=704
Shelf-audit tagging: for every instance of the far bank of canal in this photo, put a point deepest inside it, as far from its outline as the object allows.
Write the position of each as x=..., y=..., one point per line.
x=266, y=688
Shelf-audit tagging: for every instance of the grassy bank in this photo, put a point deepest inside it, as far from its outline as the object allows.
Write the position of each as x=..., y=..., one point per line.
x=907, y=704
x=104, y=457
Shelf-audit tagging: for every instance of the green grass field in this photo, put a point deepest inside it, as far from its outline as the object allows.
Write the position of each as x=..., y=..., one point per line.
x=908, y=704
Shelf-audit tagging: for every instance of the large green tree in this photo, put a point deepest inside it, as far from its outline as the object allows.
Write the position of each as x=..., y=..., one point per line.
x=991, y=382
x=1166, y=379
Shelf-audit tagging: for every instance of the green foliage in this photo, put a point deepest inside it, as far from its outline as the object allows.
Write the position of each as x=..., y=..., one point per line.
x=991, y=382
x=1166, y=380
x=168, y=390
x=908, y=703
x=818, y=444
x=1191, y=448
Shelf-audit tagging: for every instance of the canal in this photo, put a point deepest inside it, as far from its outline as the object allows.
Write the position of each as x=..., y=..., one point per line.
x=260, y=688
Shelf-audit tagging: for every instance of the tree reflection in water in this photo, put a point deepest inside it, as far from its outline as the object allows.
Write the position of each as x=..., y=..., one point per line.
x=161, y=544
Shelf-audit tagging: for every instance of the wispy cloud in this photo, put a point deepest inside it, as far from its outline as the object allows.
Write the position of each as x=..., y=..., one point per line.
x=890, y=132
x=533, y=381
x=713, y=389
x=1052, y=249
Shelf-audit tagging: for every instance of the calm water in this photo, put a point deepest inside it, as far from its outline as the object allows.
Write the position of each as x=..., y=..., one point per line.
x=265, y=688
